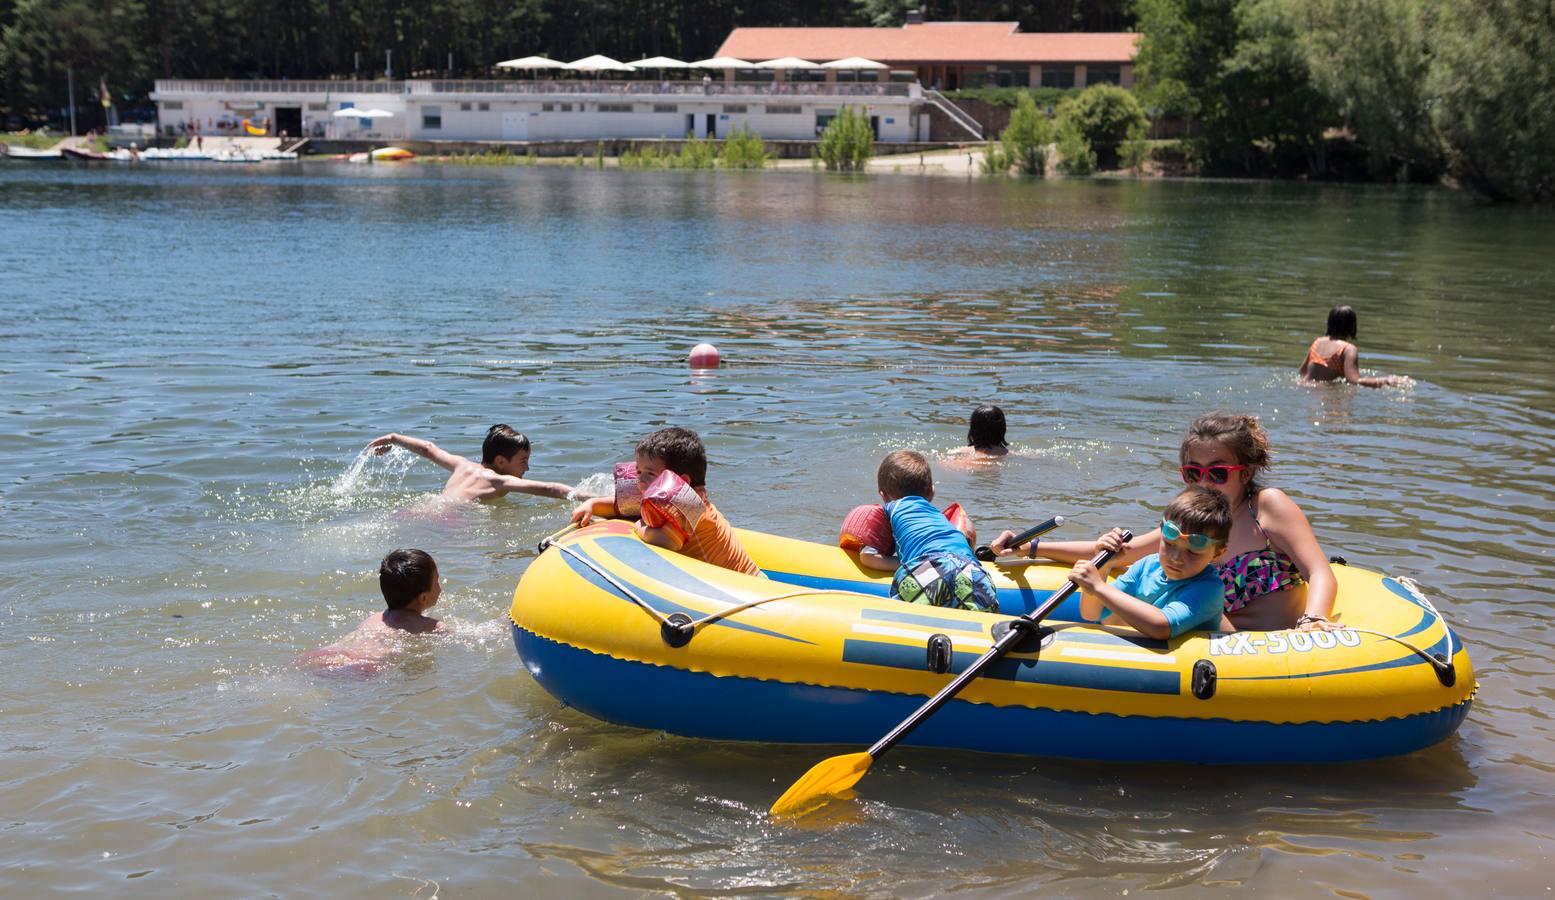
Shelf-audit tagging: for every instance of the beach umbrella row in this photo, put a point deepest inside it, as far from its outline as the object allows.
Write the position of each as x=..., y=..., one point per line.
x=598, y=63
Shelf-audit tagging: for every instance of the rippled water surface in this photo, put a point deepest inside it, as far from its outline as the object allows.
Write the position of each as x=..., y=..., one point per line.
x=194, y=358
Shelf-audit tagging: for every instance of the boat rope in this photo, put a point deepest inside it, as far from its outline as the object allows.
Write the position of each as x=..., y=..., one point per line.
x=679, y=624
x=1419, y=595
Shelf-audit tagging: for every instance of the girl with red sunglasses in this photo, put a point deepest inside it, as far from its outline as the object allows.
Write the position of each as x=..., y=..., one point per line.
x=1274, y=572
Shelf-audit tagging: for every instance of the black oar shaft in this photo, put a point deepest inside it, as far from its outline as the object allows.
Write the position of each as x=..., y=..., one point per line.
x=999, y=649
x=986, y=554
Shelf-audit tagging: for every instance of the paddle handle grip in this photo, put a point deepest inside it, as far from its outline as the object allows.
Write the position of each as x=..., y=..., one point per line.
x=999, y=649
x=986, y=554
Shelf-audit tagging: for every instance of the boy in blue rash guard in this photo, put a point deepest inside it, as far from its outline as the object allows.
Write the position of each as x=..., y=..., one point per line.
x=934, y=562
x=1176, y=590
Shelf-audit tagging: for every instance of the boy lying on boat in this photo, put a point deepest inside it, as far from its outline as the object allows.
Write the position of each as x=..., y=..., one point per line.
x=933, y=560
x=504, y=460
x=667, y=488
x=410, y=586
x=1175, y=590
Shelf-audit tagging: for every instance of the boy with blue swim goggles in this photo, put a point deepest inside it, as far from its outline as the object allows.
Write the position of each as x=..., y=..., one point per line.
x=1198, y=543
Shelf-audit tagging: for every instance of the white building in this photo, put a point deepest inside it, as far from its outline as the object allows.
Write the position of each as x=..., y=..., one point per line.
x=539, y=110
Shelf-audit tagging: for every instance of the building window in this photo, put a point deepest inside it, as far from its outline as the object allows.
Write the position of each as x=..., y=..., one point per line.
x=615, y=107
x=431, y=118
x=172, y=104
x=1104, y=75
x=464, y=107
x=666, y=107
x=547, y=107
x=1054, y=77
x=483, y=107
x=778, y=109
x=317, y=107
x=567, y=107
x=1013, y=77
x=734, y=108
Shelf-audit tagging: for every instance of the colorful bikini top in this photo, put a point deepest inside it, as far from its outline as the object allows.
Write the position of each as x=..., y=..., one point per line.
x=1257, y=572
x=1334, y=360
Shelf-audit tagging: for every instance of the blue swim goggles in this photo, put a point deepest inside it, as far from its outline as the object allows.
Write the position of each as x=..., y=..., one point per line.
x=1198, y=543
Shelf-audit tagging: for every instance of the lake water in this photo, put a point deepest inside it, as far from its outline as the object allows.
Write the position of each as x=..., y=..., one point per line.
x=195, y=356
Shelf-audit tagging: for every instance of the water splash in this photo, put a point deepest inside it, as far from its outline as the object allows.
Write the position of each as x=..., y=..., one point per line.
x=599, y=484
x=362, y=474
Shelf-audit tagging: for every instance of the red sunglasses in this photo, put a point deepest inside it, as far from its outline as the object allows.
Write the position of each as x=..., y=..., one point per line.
x=1192, y=474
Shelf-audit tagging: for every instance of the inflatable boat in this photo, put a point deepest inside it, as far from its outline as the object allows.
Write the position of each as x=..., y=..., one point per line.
x=816, y=653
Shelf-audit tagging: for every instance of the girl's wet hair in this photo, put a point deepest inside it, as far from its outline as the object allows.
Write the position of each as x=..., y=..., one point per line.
x=1341, y=323
x=1238, y=432
x=986, y=428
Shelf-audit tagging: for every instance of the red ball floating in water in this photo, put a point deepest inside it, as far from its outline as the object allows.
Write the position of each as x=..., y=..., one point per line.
x=704, y=356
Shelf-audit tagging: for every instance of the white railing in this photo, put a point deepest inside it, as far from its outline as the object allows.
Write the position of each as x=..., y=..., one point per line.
x=237, y=86
x=956, y=113
x=167, y=86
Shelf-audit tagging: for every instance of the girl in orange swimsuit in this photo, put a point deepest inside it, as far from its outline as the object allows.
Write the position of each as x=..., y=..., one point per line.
x=1333, y=356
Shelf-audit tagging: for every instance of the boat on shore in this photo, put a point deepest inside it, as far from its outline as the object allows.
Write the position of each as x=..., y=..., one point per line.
x=29, y=154
x=816, y=653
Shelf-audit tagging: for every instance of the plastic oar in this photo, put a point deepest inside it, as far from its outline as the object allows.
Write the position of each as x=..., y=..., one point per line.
x=986, y=554
x=836, y=774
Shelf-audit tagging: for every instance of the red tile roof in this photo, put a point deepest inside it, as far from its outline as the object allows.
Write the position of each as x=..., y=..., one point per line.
x=931, y=42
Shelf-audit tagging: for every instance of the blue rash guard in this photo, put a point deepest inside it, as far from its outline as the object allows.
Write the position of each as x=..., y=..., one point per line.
x=1190, y=604
x=937, y=563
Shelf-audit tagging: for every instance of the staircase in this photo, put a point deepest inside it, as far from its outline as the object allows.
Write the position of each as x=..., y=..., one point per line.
x=954, y=113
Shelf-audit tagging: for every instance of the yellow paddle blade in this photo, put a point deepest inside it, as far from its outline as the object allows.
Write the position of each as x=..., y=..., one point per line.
x=826, y=778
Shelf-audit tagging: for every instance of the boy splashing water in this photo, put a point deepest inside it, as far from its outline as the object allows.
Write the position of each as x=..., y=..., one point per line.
x=504, y=460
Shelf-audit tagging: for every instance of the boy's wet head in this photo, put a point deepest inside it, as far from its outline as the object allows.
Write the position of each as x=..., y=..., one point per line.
x=904, y=473
x=502, y=440
x=677, y=449
x=1195, y=527
x=405, y=575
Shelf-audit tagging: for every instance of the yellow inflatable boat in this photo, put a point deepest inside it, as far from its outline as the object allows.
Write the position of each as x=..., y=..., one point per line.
x=816, y=653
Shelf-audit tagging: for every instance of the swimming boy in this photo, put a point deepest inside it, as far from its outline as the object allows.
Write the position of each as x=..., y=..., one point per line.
x=705, y=534
x=410, y=585
x=1175, y=590
x=504, y=460
x=933, y=561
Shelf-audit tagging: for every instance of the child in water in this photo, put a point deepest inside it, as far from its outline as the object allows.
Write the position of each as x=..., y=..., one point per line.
x=504, y=460
x=984, y=437
x=1333, y=356
x=703, y=533
x=410, y=585
x=933, y=561
x=1175, y=590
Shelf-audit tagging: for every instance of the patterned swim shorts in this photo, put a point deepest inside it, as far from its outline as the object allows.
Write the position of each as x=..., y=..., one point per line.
x=945, y=579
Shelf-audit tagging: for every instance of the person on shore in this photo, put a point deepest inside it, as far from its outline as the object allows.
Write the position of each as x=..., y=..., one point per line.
x=1176, y=590
x=504, y=461
x=1273, y=571
x=409, y=582
x=676, y=512
x=933, y=562
x=1333, y=356
x=985, y=437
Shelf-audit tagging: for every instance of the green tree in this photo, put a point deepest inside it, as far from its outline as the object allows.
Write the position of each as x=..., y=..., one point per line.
x=848, y=141
x=743, y=149
x=1075, y=156
x=1026, y=138
x=1106, y=115
x=1494, y=92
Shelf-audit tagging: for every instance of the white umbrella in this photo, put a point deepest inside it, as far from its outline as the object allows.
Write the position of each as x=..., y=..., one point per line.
x=787, y=62
x=598, y=63
x=722, y=62
x=659, y=62
x=375, y=114
x=532, y=62
x=854, y=62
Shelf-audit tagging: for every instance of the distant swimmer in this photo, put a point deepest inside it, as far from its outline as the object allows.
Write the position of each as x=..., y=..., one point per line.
x=504, y=460
x=1333, y=356
x=410, y=585
x=985, y=440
